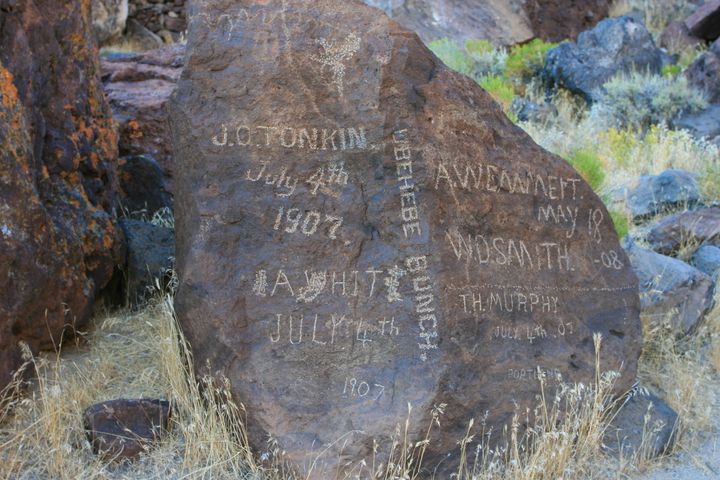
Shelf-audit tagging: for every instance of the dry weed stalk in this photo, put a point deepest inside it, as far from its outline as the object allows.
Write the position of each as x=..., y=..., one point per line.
x=145, y=355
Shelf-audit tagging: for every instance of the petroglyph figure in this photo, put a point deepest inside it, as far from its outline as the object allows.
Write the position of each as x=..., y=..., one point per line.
x=334, y=55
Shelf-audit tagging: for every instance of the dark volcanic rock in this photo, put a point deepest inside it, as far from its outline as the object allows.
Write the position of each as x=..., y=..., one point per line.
x=705, y=21
x=687, y=228
x=644, y=425
x=501, y=22
x=704, y=124
x=558, y=20
x=138, y=88
x=677, y=37
x=59, y=244
x=360, y=228
x=707, y=260
x=150, y=255
x=615, y=45
x=653, y=194
x=143, y=186
x=704, y=73
x=670, y=290
x=123, y=429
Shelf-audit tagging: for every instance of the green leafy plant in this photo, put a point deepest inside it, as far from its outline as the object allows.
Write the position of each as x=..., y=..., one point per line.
x=589, y=165
x=671, y=70
x=525, y=60
x=453, y=55
x=621, y=221
x=489, y=60
x=499, y=88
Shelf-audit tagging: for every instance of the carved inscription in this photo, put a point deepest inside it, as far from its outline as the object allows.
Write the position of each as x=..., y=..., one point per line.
x=491, y=178
x=301, y=138
x=424, y=301
x=509, y=251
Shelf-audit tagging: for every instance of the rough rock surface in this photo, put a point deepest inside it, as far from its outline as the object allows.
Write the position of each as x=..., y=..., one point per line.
x=687, y=228
x=676, y=37
x=138, y=88
x=654, y=194
x=705, y=21
x=624, y=436
x=360, y=228
x=143, y=186
x=123, y=429
x=670, y=290
x=704, y=124
x=704, y=73
x=58, y=241
x=108, y=19
x=502, y=22
x=615, y=45
x=165, y=18
x=150, y=255
x=707, y=260
x=558, y=20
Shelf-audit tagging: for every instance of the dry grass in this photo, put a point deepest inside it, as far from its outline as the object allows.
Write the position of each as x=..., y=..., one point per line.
x=685, y=372
x=126, y=356
x=144, y=355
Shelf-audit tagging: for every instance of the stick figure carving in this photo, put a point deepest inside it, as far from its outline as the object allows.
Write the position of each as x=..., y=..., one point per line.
x=334, y=55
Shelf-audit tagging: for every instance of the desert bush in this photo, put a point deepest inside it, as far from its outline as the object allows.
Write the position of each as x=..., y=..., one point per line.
x=638, y=101
x=489, y=60
x=589, y=165
x=500, y=89
x=452, y=55
x=524, y=61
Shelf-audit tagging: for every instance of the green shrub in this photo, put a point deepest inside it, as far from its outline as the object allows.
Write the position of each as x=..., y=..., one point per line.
x=621, y=221
x=489, y=60
x=589, y=165
x=500, y=89
x=671, y=70
x=638, y=101
x=453, y=55
x=526, y=60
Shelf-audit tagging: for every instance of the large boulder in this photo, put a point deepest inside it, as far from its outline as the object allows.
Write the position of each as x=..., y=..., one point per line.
x=705, y=21
x=558, y=20
x=138, y=87
x=360, y=228
x=59, y=244
x=150, y=256
x=704, y=72
x=502, y=22
x=108, y=19
x=707, y=260
x=615, y=45
x=644, y=425
x=704, y=124
x=653, y=194
x=676, y=37
x=671, y=292
x=144, y=187
x=685, y=229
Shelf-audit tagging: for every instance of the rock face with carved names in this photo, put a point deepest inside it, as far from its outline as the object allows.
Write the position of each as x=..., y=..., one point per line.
x=360, y=229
